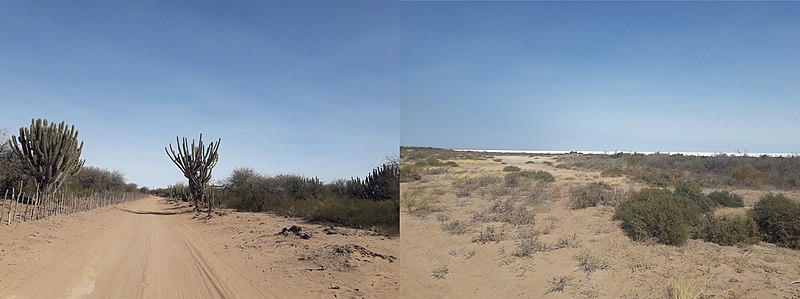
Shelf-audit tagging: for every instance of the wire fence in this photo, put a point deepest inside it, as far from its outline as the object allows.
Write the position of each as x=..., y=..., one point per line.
x=19, y=206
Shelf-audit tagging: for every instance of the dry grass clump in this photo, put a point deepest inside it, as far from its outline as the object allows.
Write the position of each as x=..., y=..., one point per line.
x=565, y=242
x=417, y=202
x=558, y=283
x=489, y=235
x=510, y=211
x=455, y=227
x=682, y=289
x=466, y=186
x=511, y=168
x=589, y=263
x=528, y=246
x=440, y=272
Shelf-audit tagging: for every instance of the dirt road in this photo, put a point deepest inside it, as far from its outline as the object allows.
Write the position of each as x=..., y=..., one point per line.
x=153, y=249
x=147, y=252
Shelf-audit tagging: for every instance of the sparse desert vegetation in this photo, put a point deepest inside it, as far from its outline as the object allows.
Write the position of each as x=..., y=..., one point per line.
x=611, y=226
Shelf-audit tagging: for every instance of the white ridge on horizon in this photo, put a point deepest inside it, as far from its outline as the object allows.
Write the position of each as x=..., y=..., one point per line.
x=595, y=152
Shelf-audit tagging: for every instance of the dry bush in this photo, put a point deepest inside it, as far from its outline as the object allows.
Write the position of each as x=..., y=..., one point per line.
x=528, y=246
x=489, y=235
x=456, y=227
x=558, y=283
x=588, y=263
x=441, y=272
x=682, y=289
x=510, y=211
x=465, y=186
x=511, y=168
x=594, y=194
x=568, y=241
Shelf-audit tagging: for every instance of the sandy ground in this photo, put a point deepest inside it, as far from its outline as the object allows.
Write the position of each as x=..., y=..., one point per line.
x=438, y=264
x=153, y=249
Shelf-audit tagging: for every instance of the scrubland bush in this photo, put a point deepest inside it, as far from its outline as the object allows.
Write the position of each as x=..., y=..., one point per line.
x=659, y=215
x=455, y=227
x=727, y=199
x=409, y=173
x=489, y=235
x=373, y=202
x=510, y=168
x=515, y=179
x=693, y=193
x=417, y=202
x=778, y=219
x=465, y=186
x=728, y=230
x=749, y=175
x=592, y=195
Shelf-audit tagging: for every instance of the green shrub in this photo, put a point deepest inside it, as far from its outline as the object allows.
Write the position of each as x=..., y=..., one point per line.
x=510, y=168
x=529, y=162
x=727, y=199
x=592, y=195
x=514, y=179
x=659, y=215
x=778, y=219
x=731, y=230
x=693, y=193
x=540, y=175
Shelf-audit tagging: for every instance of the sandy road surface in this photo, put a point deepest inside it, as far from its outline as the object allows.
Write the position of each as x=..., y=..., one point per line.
x=143, y=251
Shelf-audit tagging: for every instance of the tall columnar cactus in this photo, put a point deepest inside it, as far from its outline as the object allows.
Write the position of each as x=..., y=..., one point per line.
x=50, y=153
x=196, y=164
x=384, y=182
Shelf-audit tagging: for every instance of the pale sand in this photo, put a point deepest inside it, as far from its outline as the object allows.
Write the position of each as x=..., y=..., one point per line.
x=141, y=249
x=634, y=270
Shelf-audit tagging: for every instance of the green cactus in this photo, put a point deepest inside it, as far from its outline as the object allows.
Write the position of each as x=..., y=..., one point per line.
x=196, y=164
x=50, y=153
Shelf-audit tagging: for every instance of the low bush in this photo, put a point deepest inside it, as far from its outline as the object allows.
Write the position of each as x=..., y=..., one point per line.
x=592, y=195
x=465, y=186
x=727, y=199
x=778, y=219
x=658, y=215
x=728, y=230
x=529, y=162
x=416, y=202
x=749, y=175
x=489, y=235
x=455, y=227
x=515, y=179
x=693, y=193
x=540, y=175
x=510, y=168
x=561, y=166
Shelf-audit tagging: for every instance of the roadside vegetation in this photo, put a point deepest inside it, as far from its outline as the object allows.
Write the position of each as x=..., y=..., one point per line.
x=370, y=203
x=663, y=170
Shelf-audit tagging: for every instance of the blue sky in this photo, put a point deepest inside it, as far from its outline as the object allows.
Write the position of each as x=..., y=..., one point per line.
x=667, y=76
x=290, y=86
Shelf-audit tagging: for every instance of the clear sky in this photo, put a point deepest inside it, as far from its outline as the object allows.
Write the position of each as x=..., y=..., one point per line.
x=290, y=86
x=666, y=76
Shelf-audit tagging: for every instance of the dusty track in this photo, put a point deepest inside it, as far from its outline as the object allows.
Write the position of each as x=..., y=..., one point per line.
x=153, y=249
x=147, y=252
